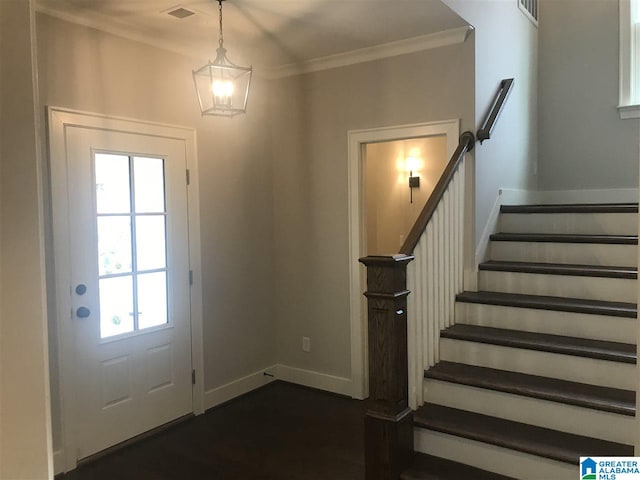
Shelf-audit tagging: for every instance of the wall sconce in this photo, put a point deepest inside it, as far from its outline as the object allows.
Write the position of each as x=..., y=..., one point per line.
x=413, y=162
x=414, y=182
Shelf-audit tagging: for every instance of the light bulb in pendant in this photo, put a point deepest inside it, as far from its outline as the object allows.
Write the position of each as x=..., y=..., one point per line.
x=222, y=91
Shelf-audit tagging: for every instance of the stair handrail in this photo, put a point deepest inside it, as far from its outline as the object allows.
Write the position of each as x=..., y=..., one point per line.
x=465, y=145
x=484, y=133
x=389, y=416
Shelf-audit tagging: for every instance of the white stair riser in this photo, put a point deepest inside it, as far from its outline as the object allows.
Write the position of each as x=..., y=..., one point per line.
x=577, y=253
x=594, y=288
x=533, y=411
x=598, y=327
x=564, y=367
x=492, y=458
x=572, y=223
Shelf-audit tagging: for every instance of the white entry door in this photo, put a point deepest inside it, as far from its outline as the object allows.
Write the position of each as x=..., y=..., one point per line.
x=128, y=246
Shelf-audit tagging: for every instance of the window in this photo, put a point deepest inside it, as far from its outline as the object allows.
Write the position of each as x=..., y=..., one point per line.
x=629, y=106
x=132, y=259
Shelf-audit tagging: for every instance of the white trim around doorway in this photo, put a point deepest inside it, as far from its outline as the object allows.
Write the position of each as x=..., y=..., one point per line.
x=59, y=119
x=357, y=247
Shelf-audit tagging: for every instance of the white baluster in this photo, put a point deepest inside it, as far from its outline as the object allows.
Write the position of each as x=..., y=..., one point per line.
x=441, y=267
x=432, y=344
x=434, y=278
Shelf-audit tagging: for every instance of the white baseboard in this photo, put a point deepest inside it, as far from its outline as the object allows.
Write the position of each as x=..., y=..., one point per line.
x=310, y=378
x=512, y=196
x=610, y=195
x=492, y=226
x=506, y=196
x=58, y=462
x=231, y=390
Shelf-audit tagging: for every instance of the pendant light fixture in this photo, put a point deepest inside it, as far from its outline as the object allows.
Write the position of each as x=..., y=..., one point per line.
x=222, y=87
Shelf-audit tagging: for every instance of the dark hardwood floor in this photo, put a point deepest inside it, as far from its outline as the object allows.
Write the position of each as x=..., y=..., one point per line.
x=280, y=432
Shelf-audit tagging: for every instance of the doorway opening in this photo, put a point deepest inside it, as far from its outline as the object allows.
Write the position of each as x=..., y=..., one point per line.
x=396, y=143
x=399, y=178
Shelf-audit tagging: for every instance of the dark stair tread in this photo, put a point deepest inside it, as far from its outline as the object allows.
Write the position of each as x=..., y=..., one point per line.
x=565, y=238
x=542, y=302
x=543, y=442
x=561, y=269
x=580, y=394
x=428, y=467
x=581, y=347
x=572, y=208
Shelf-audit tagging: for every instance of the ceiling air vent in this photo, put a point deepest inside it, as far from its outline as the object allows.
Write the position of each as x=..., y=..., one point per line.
x=530, y=10
x=180, y=13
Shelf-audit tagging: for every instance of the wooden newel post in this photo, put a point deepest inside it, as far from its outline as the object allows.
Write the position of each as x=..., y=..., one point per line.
x=389, y=420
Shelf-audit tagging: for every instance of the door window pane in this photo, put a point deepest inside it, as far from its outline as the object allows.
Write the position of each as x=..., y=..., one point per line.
x=112, y=183
x=149, y=184
x=150, y=242
x=114, y=245
x=132, y=243
x=116, y=306
x=152, y=299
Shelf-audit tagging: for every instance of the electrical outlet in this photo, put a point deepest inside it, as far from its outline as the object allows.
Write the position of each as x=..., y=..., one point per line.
x=306, y=344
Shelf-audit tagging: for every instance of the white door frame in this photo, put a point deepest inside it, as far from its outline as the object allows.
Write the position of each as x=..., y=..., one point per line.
x=357, y=237
x=59, y=119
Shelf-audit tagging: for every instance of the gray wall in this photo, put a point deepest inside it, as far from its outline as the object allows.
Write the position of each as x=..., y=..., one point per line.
x=583, y=142
x=313, y=114
x=88, y=70
x=25, y=421
x=506, y=47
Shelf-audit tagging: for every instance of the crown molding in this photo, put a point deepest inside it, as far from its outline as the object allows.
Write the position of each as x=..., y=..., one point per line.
x=445, y=38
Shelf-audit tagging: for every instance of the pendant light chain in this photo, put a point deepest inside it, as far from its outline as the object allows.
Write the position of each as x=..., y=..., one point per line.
x=221, y=39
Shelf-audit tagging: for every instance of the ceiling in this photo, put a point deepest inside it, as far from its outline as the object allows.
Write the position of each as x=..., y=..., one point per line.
x=267, y=33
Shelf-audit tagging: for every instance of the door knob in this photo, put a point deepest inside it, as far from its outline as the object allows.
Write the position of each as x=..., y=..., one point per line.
x=83, y=312
x=81, y=289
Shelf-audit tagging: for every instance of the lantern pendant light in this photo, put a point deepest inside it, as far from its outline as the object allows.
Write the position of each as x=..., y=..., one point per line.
x=222, y=87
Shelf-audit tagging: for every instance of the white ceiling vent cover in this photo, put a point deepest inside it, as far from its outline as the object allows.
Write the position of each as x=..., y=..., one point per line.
x=180, y=12
x=530, y=10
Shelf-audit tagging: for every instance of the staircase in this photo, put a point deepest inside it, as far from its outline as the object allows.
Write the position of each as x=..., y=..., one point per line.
x=539, y=367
